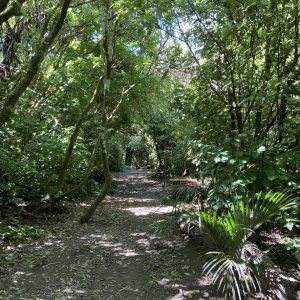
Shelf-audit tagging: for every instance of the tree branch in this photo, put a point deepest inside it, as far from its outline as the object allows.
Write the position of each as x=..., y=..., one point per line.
x=216, y=92
x=82, y=3
x=33, y=67
x=3, y=5
x=10, y=11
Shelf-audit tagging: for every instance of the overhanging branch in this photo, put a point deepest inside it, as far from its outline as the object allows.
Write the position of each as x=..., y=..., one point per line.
x=9, y=11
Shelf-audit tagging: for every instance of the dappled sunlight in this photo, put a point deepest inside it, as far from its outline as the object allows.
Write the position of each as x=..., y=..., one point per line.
x=138, y=234
x=72, y=291
x=119, y=253
x=16, y=277
x=148, y=210
x=104, y=237
x=132, y=200
x=144, y=243
x=147, y=200
x=182, y=294
x=129, y=253
x=116, y=246
x=83, y=204
x=205, y=281
x=50, y=243
x=105, y=241
x=149, y=149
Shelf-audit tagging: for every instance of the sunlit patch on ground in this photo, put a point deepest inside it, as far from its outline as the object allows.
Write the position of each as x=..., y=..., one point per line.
x=144, y=243
x=148, y=210
x=72, y=291
x=84, y=205
x=118, y=255
x=133, y=200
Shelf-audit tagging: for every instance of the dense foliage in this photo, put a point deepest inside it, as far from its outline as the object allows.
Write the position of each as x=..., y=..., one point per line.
x=207, y=89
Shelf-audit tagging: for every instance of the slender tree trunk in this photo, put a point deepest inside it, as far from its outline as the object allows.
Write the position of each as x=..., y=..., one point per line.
x=33, y=67
x=3, y=5
x=73, y=139
x=258, y=125
x=264, y=90
x=128, y=157
x=86, y=176
x=282, y=115
x=239, y=118
x=283, y=108
x=107, y=182
x=160, y=167
x=165, y=165
x=8, y=11
x=108, y=49
x=232, y=123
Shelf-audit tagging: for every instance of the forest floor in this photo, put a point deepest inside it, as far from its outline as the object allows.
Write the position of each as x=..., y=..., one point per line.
x=120, y=254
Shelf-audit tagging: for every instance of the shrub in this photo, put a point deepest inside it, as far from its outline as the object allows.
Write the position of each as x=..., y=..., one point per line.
x=237, y=264
x=19, y=232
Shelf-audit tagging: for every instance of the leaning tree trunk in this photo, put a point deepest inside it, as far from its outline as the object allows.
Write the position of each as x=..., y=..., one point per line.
x=69, y=152
x=86, y=176
x=33, y=66
x=165, y=174
x=107, y=182
x=3, y=5
x=9, y=11
x=108, y=50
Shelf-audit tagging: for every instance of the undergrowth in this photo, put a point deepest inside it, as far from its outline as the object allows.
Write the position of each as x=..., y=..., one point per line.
x=236, y=263
x=17, y=232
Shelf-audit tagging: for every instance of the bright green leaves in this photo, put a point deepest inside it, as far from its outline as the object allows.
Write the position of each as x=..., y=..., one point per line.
x=237, y=264
x=264, y=2
x=19, y=232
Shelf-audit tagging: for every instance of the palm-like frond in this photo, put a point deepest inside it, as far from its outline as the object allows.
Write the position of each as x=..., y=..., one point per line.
x=238, y=266
x=218, y=232
x=263, y=208
x=238, y=274
x=184, y=194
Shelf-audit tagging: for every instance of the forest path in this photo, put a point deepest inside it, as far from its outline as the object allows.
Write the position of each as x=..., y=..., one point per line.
x=120, y=254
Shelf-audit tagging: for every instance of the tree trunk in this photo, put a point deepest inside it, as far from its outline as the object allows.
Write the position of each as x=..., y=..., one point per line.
x=165, y=165
x=29, y=74
x=6, y=12
x=108, y=44
x=88, y=171
x=258, y=114
x=3, y=5
x=68, y=155
x=107, y=183
x=159, y=171
x=128, y=157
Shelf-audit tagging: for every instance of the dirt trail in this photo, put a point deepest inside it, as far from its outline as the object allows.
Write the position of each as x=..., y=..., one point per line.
x=120, y=254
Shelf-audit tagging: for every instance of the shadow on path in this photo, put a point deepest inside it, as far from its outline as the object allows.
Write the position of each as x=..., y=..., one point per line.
x=120, y=254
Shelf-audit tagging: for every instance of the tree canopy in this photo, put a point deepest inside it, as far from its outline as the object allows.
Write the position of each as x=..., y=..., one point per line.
x=200, y=88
